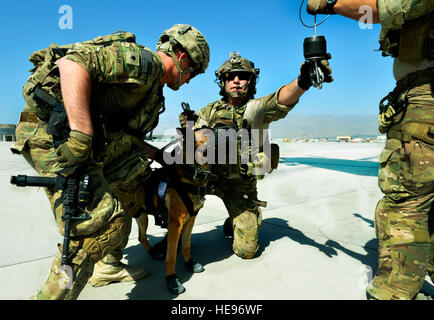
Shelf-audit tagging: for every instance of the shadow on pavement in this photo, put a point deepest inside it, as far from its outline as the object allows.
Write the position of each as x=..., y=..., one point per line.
x=294, y=234
x=206, y=247
x=359, y=167
x=371, y=257
x=211, y=246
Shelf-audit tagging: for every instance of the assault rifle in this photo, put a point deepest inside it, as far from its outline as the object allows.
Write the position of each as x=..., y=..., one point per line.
x=75, y=195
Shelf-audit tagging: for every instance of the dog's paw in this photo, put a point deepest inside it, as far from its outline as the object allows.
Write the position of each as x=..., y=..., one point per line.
x=194, y=267
x=174, y=285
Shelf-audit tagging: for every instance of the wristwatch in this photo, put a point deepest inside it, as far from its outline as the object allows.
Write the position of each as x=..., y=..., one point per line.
x=329, y=6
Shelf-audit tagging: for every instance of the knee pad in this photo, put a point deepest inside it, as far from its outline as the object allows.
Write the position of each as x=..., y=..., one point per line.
x=108, y=240
x=246, y=226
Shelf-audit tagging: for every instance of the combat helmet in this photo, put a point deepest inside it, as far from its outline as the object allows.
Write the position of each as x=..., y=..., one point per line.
x=192, y=41
x=237, y=64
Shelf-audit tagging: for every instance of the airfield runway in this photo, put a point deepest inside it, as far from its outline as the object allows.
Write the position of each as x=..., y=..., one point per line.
x=317, y=237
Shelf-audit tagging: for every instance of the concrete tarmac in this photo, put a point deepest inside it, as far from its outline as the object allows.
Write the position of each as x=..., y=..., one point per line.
x=317, y=239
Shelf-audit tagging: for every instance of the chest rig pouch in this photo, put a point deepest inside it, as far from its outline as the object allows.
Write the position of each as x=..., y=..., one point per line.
x=412, y=43
x=227, y=150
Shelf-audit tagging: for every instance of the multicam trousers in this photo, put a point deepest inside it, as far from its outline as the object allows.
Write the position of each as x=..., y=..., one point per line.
x=126, y=169
x=404, y=216
x=92, y=239
x=239, y=197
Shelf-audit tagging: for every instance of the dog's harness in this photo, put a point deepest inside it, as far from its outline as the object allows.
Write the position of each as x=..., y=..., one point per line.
x=167, y=177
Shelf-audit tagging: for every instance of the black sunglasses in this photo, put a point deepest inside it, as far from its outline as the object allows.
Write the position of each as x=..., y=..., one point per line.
x=242, y=75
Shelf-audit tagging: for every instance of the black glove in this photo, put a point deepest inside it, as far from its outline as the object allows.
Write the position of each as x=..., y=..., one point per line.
x=306, y=73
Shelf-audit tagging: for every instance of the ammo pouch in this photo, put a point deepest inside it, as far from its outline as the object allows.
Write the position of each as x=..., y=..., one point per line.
x=412, y=43
x=263, y=163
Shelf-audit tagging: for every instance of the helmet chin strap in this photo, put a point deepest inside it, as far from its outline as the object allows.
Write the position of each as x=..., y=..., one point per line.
x=177, y=85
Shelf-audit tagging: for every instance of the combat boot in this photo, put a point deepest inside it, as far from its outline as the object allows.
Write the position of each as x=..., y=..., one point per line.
x=105, y=273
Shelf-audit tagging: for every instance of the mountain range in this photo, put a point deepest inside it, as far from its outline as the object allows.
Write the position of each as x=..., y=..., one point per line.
x=298, y=125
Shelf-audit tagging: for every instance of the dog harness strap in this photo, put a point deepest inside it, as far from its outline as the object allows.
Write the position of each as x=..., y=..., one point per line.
x=160, y=211
x=183, y=189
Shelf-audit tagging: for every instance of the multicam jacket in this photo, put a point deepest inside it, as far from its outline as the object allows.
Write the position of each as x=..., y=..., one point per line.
x=125, y=83
x=258, y=113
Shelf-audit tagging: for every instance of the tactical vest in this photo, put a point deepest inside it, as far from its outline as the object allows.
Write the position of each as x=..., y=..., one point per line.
x=219, y=117
x=412, y=43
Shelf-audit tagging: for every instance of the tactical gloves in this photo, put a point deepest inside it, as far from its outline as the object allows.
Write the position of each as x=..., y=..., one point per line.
x=320, y=7
x=75, y=150
x=187, y=115
x=385, y=119
x=305, y=78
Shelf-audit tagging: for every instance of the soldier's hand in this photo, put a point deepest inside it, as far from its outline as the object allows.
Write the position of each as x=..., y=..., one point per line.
x=305, y=77
x=75, y=150
x=304, y=81
x=327, y=70
x=187, y=115
x=318, y=7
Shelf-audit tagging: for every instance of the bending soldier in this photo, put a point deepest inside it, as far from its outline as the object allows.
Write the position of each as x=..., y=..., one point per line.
x=404, y=216
x=126, y=164
x=111, y=90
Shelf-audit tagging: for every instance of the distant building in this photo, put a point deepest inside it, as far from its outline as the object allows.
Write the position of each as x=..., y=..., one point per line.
x=7, y=132
x=381, y=138
x=343, y=138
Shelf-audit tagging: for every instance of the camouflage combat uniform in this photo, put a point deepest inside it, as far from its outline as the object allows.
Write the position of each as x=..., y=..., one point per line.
x=126, y=91
x=238, y=190
x=404, y=216
x=131, y=111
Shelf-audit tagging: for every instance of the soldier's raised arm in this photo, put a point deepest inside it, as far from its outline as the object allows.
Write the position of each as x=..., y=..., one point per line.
x=347, y=8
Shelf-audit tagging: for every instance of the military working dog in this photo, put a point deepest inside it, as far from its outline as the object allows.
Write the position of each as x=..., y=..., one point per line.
x=176, y=194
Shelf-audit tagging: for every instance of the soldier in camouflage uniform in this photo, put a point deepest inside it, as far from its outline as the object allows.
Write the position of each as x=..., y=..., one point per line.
x=238, y=109
x=126, y=166
x=111, y=89
x=404, y=216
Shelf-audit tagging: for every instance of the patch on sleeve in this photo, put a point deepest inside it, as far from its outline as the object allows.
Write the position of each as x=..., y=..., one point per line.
x=146, y=64
x=132, y=58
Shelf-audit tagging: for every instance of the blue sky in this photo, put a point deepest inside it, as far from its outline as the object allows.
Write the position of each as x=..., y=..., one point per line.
x=266, y=32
